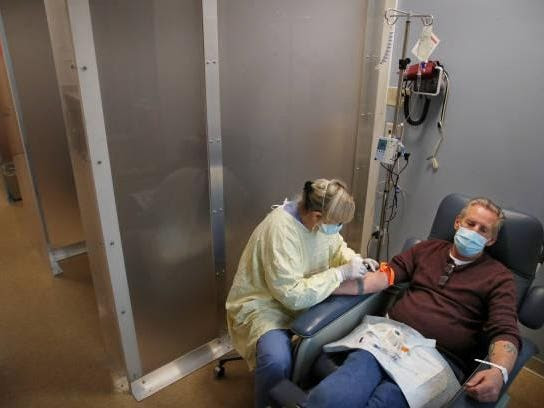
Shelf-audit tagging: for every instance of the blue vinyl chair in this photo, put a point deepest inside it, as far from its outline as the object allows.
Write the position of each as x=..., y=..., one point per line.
x=519, y=247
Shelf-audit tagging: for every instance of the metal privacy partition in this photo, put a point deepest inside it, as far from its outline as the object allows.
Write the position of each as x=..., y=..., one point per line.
x=291, y=78
x=193, y=118
x=35, y=119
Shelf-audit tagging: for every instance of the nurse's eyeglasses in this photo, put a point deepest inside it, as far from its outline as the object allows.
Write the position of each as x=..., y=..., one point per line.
x=448, y=270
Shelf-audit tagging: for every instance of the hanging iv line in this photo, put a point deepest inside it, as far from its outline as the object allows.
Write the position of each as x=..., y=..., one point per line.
x=441, y=124
x=388, y=48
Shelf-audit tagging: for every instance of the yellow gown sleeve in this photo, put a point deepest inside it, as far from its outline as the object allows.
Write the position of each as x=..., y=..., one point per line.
x=340, y=252
x=284, y=268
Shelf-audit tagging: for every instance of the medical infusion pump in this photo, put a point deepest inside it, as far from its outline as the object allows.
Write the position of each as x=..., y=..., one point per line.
x=387, y=150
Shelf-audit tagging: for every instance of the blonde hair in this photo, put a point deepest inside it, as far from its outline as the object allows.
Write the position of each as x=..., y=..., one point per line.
x=489, y=205
x=331, y=198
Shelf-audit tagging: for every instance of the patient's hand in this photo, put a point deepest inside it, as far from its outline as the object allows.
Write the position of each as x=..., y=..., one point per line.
x=485, y=385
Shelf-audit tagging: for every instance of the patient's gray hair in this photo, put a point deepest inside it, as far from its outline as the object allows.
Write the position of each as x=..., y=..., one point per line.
x=489, y=205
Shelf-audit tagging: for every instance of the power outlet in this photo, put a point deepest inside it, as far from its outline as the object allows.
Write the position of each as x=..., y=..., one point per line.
x=389, y=130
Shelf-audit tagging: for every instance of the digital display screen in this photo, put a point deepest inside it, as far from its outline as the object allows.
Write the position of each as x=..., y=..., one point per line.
x=382, y=144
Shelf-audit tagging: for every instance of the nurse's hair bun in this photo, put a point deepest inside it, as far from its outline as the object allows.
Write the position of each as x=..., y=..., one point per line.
x=331, y=198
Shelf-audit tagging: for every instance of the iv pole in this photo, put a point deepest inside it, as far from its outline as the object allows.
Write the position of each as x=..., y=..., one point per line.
x=391, y=17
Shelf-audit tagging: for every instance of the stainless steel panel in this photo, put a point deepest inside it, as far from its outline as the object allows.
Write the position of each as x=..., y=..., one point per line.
x=290, y=83
x=151, y=69
x=87, y=189
x=33, y=217
x=40, y=106
x=9, y=130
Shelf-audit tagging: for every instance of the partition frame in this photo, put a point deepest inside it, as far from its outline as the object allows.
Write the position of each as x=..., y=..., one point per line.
x=215, y=153
x=95, y=130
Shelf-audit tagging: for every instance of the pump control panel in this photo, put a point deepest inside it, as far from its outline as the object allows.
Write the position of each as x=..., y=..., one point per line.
x=387, y=150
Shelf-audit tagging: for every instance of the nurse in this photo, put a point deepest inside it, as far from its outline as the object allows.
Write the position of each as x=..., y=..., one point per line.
x=294, y=259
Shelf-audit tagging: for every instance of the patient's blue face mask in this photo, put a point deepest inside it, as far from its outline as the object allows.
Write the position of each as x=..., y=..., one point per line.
x=330, y=229
x=469, y=243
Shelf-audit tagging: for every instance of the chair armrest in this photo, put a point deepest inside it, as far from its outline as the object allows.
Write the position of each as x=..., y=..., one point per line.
x=329, y=321
x=320, y=315
x=531, y=312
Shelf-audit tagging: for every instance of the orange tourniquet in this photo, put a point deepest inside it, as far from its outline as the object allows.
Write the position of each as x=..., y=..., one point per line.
x=389, y=272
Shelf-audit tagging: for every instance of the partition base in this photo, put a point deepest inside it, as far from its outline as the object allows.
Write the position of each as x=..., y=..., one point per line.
x=179, y=368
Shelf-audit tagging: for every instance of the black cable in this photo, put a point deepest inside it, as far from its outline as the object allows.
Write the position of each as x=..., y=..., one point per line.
x=407, y=159
x=395, y=177
x=391, y=176
x=385, y=167
x=368, y=245
x=394, y=207
x=407, y=113
x=391, y=170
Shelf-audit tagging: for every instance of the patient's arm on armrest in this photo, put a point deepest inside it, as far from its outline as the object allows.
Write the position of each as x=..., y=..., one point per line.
x=372, y=282
x=349, y=287
x=485, y=385
x=504, y=353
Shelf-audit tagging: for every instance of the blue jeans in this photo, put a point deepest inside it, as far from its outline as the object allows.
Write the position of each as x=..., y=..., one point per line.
x=274, y=363
x=359, y=382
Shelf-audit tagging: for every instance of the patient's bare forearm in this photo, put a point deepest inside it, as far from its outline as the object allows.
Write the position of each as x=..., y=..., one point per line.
x=504, y=353
x=372, y=282
x=349, y=287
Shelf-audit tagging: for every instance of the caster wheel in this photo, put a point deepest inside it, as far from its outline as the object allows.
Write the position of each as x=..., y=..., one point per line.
x=219, y=371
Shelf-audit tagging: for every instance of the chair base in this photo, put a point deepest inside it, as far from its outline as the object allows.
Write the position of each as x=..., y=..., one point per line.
x=219, y=369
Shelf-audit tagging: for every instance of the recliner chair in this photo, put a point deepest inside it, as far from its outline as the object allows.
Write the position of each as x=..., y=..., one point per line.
x=519, y=247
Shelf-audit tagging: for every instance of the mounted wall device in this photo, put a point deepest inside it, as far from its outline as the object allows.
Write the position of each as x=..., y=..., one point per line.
x=426, y=80
x=426, y=77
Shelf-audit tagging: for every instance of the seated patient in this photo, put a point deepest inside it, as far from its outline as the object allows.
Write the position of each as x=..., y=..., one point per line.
x=294, y=259
x=459, y=296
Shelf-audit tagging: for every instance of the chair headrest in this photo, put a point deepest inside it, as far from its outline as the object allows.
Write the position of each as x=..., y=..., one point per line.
x=518, y=246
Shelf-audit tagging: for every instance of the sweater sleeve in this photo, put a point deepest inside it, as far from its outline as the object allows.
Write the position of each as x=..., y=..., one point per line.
x=404, y=264
x=502, y=322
